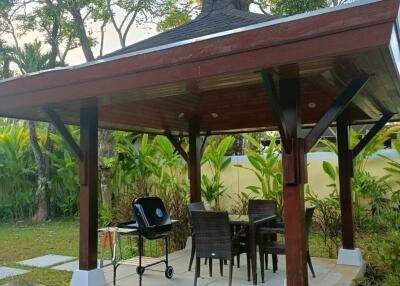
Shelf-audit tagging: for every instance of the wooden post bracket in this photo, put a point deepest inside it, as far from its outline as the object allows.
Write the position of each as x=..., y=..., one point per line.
x=371, y=134
x=204, y=145
x=274, y=100
x=178, y=146
x=64, y=132
x=340, y=104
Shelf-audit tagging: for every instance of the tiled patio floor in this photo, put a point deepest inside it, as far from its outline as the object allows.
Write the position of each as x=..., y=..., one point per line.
x=327, y=272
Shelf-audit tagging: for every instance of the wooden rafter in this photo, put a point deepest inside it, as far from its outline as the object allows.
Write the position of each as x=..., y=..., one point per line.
x=204, y=144
x=64, y=132
x=371, y=134
x=177, y=145
x=337, y=108
x=274, y=100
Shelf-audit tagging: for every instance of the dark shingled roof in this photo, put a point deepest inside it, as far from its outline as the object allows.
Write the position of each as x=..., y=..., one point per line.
x=216, y=16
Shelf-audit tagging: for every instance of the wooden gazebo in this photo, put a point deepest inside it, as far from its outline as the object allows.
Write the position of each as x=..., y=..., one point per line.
x=230, y=71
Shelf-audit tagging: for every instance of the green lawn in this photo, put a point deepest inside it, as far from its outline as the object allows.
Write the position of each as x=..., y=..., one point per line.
x=22, y=241
x=26, y=240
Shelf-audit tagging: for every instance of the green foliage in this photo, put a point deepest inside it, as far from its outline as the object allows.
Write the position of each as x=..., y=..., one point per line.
x=241, y=203
x=327, y=217
x=17, y=174
x=211, y=191
x=215, y=156
x=145, y=166
x=64, y=199
x=267, y=167
x=384, y=257
x=31, y=58
x=292, y=7
x=175, y=13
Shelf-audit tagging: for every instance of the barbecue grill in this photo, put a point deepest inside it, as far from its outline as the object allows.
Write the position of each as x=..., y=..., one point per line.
x=152, y=222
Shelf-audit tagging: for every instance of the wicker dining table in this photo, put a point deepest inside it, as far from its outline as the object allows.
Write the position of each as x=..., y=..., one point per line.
x=251, y=225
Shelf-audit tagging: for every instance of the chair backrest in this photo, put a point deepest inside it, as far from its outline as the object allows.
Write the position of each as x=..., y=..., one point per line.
x=261, y=208
x=199, y=206
x=309, y=218
x=213, y=234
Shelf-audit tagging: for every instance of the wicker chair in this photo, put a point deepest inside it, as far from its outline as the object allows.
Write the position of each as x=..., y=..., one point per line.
x=214, y=240
x=262, y=208
x=193, y=207
x=278, y=248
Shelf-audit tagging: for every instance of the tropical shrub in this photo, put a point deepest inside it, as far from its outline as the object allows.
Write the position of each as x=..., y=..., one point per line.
x=267, y=167
x=384, y=260
x=215, y=156
x=17, y=173
x=327, y=213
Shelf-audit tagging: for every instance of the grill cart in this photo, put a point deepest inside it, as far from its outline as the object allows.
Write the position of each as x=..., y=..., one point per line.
x=152, y=223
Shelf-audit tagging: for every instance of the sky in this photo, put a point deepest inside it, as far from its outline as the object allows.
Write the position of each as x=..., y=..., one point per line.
x=111, y=43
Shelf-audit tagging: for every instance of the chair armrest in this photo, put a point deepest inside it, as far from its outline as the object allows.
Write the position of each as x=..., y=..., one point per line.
x=263, y=220
x=271, y=230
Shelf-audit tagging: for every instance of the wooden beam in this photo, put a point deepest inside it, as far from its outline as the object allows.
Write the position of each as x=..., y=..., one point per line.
x=194, y=163
x=274, y=100
x=345, y=182
x=371, y=134
x=337, y=108
x=88, y=189
x=64, y=132
x=177, y=145
x=205, y=142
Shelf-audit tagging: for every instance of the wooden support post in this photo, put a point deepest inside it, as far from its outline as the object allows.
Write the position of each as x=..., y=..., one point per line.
x=345, y=158
x=194, y=161
x=294, y=177
x=88, y=189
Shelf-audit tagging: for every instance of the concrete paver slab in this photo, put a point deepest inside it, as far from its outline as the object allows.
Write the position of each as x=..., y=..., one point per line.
x=46, y=260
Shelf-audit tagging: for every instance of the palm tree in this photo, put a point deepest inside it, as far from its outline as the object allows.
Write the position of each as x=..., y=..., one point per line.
x=31, y=58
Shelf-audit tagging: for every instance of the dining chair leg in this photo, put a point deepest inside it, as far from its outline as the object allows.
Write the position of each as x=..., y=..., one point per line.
x=210, y=264
x=198, y=267
x=262, y=259
x=197, y=270
x=310, y=264
x=231, y=271
x=192, y=253
x=266, y=261
x=248, y=265
x=275, y=262
x=238, y=261
x=221, y=267
x=205, y=261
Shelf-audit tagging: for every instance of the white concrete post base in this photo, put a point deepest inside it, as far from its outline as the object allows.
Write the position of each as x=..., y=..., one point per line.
x=93, y=277
x=351, y=257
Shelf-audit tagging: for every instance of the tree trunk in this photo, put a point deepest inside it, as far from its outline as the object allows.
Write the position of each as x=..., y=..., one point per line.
x=81, y=31
x=41, y=199
x=106, y=139
x=6, y=68
x=106, y=150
